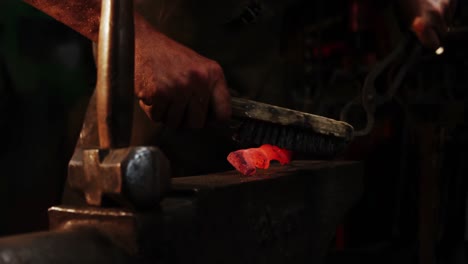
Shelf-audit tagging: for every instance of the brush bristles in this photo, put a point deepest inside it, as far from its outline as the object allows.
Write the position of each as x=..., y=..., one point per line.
x=254, y=132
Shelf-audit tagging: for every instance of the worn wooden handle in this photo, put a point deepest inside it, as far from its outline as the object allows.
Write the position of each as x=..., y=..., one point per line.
x=248, y=109
x=114, y=88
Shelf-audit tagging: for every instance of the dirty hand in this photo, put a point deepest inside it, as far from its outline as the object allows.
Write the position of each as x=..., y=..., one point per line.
x=428, y=19
x=175, y=85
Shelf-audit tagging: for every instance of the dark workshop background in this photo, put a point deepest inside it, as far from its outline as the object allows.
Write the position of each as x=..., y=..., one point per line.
x=416, y=157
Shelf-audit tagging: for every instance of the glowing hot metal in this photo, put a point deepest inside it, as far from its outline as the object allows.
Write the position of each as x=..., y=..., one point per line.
x=246, y=161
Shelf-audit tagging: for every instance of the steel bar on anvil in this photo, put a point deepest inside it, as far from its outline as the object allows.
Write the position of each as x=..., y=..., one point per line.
x=287, y=214
x=84, y=245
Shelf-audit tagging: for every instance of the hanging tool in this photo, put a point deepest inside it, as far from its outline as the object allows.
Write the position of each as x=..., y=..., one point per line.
x=408, y=52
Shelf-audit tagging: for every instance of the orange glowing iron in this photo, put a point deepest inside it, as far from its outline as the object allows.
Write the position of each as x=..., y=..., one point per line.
x=246, y=161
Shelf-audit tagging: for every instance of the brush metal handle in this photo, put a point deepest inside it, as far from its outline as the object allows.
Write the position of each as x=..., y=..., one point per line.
x=115, y=71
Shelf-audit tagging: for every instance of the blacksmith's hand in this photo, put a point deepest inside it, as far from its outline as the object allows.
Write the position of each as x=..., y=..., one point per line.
x=175, y=85
x=428, y=19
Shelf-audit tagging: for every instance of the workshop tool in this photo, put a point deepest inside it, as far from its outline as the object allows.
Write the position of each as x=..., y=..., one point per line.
x=407, y=53
x=260, y=123
x=134, y=176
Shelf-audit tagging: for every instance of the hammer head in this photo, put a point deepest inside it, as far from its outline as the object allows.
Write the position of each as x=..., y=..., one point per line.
x=137, y=175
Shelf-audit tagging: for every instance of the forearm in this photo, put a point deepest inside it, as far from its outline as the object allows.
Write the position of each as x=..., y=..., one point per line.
x=175, y=85
x=81, y=15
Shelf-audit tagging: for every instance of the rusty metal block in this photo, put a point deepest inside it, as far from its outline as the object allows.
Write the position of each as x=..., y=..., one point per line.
x=118, y=225
x=77, y=235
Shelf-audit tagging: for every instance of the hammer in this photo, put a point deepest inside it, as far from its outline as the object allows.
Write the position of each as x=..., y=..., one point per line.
x=134, y=176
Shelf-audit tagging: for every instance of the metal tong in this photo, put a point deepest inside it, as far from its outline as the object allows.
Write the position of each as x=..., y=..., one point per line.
x=408, y=51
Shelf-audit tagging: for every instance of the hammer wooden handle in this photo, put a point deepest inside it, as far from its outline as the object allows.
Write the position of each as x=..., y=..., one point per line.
x=115, y=69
